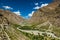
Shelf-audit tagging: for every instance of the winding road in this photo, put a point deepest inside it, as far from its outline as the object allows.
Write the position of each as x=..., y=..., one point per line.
x=35, y=32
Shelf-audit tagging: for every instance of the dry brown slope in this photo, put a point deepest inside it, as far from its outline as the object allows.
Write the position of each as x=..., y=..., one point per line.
x=11, y=17
x=49, y=13
x=7, y=29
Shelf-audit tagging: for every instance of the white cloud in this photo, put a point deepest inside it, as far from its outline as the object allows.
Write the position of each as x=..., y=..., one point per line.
x=17, y=12
x=37, y=7
x=30, y=14
x=42, y=5
x=7, y=7
x=36, y=4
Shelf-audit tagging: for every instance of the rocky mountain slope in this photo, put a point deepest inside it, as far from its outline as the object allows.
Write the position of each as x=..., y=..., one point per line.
x=47, y=18
x=11, y=17
x=8, y=30
x=49, y=13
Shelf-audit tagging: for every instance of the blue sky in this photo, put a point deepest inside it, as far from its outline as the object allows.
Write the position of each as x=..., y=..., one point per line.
x=24, y=8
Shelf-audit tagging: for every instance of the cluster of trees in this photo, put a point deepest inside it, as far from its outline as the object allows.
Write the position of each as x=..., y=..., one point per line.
x=32, y=36
x=38, y=37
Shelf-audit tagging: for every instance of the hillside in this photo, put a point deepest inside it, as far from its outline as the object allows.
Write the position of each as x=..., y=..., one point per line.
x=47, y=18
x=8, y=30
x=11, y=17
x=49, y=13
